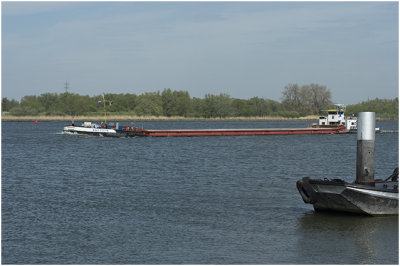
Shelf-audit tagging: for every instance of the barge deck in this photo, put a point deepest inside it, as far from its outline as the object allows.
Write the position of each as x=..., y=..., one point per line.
x=236, y=132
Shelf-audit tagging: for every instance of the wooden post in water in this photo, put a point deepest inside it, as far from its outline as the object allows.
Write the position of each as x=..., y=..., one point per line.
x=365, y=167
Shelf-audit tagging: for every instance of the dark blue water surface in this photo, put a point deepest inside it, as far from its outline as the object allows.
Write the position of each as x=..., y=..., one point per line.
x=184, y=200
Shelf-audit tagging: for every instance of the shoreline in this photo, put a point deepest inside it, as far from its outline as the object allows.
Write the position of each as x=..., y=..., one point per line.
x=116, y=118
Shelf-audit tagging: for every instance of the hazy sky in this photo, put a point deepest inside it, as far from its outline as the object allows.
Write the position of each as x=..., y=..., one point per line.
x=245, y=49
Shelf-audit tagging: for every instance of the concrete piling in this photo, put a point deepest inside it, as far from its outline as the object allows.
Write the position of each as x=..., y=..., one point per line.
x=365, y=165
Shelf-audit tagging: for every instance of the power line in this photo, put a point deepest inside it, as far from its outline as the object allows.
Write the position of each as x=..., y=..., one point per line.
x=66, y=86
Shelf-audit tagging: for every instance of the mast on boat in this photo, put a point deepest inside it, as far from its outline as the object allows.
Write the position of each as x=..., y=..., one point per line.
x=105, y=109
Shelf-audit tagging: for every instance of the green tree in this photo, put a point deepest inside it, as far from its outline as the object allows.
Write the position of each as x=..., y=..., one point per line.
x=32, y=102
x=307, y=99
x=198, y=107
x=217, y=105
x=183, y=104
x=176, y=103
x=291, y=96
x=272, y=107
x=49, y=102
x=168, y=102
x=320, y=97
x=259, y=106
x=73, y=104
x=241, y=107
x=7, y=105
x=149, y=104
x=120, y=102
x=384, y=108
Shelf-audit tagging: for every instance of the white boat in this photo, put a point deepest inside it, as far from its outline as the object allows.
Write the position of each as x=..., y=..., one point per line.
x=89, y=128
x=104, y=129
x=336, y=117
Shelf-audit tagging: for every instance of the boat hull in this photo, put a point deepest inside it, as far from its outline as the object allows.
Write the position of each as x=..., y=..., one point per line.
x=105, y=132
x=337, y=195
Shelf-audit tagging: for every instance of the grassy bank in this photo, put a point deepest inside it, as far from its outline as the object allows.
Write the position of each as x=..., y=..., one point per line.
x=114, y=118
x=151, y=118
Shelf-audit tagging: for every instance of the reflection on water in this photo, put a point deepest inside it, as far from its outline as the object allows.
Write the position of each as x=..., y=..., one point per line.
x=344, y=235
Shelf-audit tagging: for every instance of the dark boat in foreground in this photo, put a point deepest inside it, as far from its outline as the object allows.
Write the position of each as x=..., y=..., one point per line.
x=336, y=195
x=366, y=195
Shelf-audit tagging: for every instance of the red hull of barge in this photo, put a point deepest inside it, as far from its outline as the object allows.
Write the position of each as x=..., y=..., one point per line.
x=241, y=132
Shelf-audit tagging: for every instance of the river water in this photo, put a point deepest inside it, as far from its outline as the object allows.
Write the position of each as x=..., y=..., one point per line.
x=184, y=200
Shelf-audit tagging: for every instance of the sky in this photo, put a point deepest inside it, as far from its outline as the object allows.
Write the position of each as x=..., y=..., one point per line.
x=244, y=49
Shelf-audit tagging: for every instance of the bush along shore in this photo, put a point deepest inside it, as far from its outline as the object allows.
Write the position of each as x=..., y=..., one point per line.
x=298, y=103
x=116, y=118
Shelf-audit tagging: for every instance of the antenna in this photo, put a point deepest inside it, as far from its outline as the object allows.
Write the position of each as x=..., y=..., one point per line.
x=66, y=86
x=104, y=105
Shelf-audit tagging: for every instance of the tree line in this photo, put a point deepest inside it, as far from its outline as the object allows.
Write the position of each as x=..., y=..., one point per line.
x=384, y=108
x=296, y=101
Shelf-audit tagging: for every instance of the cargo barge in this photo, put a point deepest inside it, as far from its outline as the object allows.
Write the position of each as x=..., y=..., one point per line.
x=240, y=132
x=89, y=128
